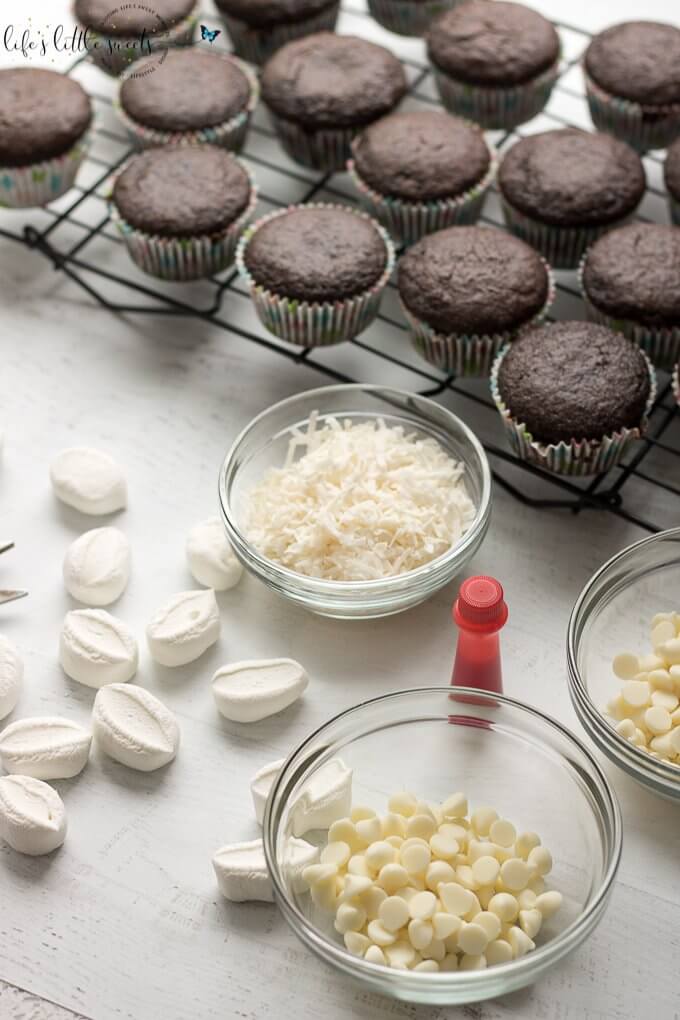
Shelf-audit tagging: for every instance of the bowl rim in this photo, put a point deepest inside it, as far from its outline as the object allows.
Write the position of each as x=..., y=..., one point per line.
x=520, y=971
x=322, y=586
x=621, y=752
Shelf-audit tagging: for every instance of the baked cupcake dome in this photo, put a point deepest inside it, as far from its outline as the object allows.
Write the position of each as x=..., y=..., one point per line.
x=258, y=28
x=162, y=24
x=633, y=84
x=562, y=189
x=495, y=63
x=671, y=174
x=321, y=90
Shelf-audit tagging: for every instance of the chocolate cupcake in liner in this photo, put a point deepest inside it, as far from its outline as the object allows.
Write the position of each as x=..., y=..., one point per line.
x=258, y=39
x=229, y=133
x=671, y=176
x=174, y=240
x=319, y=235
x=585, y=456
x=409, y=17
x=467, y=291
x=630, y=282
x=40, y=183
x=141, y=30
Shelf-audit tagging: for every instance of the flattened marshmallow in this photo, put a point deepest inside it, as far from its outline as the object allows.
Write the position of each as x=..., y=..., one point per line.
x=324, y=798
x=11, y=676
x=89, y=480
x=255, y=689
x=97, y=566
x=212, y=561
x=45, y=747
x=32, y=815
x=261, y=784
x=134, y=727
x=97, y=649
x=185, y=627
x=241, y=872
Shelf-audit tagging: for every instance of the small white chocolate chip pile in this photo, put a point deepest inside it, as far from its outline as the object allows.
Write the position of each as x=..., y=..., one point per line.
x=647, y=710
x=432, y=888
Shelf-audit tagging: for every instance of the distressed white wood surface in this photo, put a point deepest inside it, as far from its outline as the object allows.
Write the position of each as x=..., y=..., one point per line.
x=124, y=923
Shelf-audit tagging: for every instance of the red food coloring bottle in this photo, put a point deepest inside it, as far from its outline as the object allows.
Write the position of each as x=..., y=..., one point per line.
x=479, y=612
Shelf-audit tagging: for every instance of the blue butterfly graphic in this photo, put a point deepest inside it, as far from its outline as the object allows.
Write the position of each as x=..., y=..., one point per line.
x=207, y=34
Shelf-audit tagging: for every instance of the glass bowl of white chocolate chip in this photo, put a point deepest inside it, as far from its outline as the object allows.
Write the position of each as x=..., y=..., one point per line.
x=624, y=660
x=356, y=501
x=442, y=845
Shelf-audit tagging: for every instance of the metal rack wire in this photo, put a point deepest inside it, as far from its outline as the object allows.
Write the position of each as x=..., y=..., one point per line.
x=76, y=236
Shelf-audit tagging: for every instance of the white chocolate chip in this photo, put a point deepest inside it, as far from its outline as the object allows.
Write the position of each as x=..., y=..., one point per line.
x=360, y=945
x=625, y=666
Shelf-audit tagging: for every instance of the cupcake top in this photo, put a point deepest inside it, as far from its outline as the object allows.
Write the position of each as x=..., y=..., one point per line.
x=131, y=19
x=180, y=191
x=328, y=79
x=637, y=60
x=574, y=380
x=492, y=43
x=43, y=114
x=572, y=178
x=190, y=89
x=262, y=13
x=421, y=155
x=474, y=280
x=316, y=253
x=634, y=273
x=671, y=169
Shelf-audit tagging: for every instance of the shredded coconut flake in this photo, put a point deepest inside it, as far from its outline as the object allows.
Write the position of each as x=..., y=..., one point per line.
x=363, y=501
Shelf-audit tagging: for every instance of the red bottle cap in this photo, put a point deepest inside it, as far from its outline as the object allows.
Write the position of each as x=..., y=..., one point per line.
x=480, y=605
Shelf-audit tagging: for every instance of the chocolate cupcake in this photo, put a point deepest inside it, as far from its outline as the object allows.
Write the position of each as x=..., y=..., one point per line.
x=195, y=95
x=671, y=174
x=631, y=282
x=573, y=396
x=258, y=28
x=323, y=89
x=562, y=189
x=181, y=209
x=495, y=63
x=466, y=291
x=633, y=83
x=421, y=171
x=43, y=135
x=119, y=34
x=316, y=272
x=408, y=17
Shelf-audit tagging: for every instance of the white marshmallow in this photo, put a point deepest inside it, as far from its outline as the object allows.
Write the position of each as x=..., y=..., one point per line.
x=97, y=566
x=89, y=480
x=255, y=689
x=185, y=627
x=212, y=561
x=261, y=784
x=134, y=728
x=325, y=797
x=241, y=872
x=45, y=748
x=11, y=676
x=97, y=649
x=32, y=815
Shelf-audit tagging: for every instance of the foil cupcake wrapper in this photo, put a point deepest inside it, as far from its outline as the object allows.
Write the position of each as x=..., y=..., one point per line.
x=113, y=57
x=38, y=184
x=326, y=150
x=579, y=458
x=468, y=354
x=496, y=108
x=660, y=343
x=258, y=44
x=563, y=247
x=409, y=221
x=642, y=127
x=314, y=324
x=180, y=259
x=409, y=17
x=674, y=209
x=231, y=134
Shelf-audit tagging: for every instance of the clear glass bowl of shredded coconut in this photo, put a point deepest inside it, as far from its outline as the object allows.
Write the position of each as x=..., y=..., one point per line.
x=356, y=501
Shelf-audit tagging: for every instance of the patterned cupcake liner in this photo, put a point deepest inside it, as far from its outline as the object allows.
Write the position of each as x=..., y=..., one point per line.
x=326, y=149
x=258, y=44
x=314, y=324
x=38, y=184
x=674, y=209
x=675, y=383
x=468, y=354
x=643, y=127
x=114, y=54
x=409, y=221
x=496, y=108
x=230, y=134
x=579, y=458
x=181, y=259
x=409, y=17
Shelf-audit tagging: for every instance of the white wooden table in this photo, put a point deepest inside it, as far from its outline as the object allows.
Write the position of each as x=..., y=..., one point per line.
x=125, y=922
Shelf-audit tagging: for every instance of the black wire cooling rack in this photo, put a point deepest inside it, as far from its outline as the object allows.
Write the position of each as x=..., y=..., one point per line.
x=76, y=235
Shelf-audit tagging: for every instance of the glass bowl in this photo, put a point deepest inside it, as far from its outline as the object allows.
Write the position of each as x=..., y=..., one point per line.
x=499, y=752
x=612, y=615
x=264, y=443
